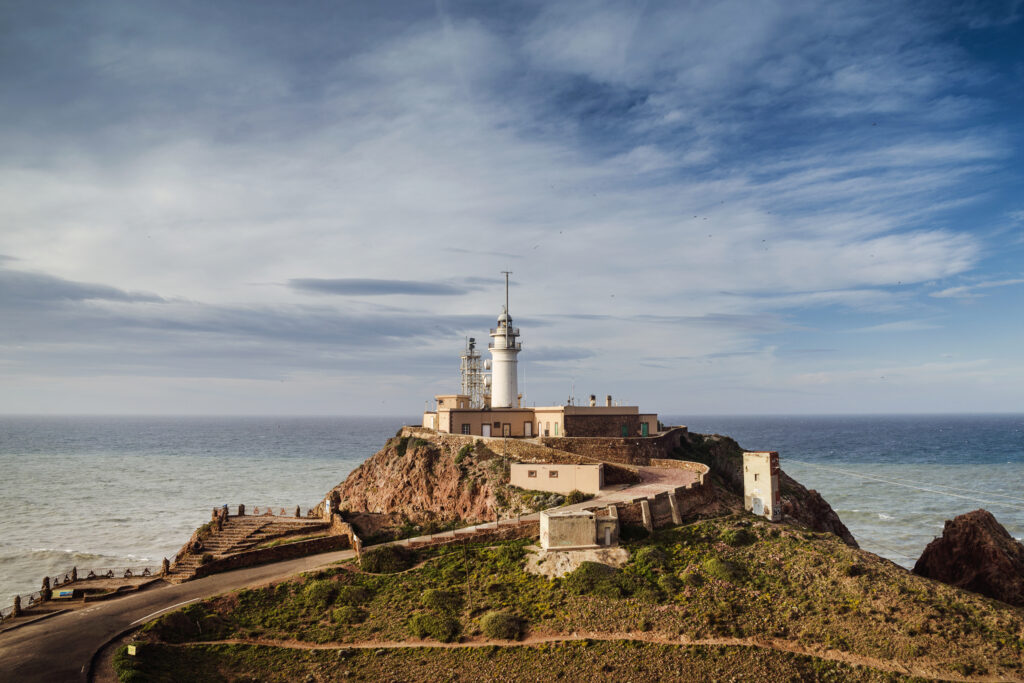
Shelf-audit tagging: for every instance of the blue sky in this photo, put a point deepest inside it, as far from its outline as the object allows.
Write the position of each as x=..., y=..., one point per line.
x=729, y=207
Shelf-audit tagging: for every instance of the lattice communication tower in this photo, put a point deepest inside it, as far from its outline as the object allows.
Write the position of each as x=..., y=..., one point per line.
x=473, y=375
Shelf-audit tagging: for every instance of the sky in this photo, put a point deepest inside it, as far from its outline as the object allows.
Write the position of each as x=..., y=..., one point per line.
x=732, y=207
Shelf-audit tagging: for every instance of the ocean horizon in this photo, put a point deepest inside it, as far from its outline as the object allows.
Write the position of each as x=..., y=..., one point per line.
x=105, y=491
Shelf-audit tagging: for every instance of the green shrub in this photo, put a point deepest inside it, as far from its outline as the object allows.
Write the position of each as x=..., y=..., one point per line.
x=441, y=600
x=126, y=666
x=418, y=443
x=693, y=579
x=403, y=444
x=501, y=625
x=575, y=496
x=348, y=614
x=720, y=569
x=351, y=595
x=650, y=558
x=463, y=452
x=318, y=594
x=669, y=584
x=440, y=627
x=737, y=537
x=594, y=578
x=388, y=559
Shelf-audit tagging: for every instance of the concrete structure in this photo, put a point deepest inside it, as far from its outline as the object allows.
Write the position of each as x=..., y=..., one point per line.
x=557, y=478
x=577, y=529
x=761, y=494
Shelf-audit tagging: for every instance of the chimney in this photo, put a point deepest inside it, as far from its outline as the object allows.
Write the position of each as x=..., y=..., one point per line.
x=593, y=400
x=608, y=400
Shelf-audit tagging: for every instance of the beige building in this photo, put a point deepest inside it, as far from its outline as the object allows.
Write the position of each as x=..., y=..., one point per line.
x=454, y=416
x=761, y=494
x=557, y=478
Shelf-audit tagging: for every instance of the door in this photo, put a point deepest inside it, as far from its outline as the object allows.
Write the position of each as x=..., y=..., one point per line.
x=506, y=429
x=607, y=535
x=643, y=429
x=487, y=430
x=758, y=506
x=528, y=429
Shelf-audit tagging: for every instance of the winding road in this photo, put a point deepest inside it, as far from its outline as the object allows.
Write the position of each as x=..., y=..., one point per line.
x=61, y=648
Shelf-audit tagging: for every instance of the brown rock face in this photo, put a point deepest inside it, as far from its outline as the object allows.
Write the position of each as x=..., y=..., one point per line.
x=976, y=553
x=422, y=482
x=807, y=507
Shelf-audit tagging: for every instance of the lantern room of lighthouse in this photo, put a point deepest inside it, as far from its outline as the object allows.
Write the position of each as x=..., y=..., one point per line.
x=504, y=347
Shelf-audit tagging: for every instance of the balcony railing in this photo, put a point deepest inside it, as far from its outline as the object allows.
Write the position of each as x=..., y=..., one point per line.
x=518, y=346
x=512, y=331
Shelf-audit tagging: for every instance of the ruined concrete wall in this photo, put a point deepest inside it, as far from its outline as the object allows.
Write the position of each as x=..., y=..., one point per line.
x=661, y=511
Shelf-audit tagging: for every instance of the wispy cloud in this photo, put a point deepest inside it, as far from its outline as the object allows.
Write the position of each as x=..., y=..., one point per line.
x=971, y=291
x=374, y=287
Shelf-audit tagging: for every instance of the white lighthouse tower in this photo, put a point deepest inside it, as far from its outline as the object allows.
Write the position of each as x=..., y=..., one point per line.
x=504, y=348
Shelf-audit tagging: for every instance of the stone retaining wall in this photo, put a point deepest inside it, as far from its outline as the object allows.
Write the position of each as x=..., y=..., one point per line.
x=506, y=531
x=285, y=551
x=627, y=451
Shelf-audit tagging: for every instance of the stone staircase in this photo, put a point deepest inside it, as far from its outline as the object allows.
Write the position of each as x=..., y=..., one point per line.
x=241, y=534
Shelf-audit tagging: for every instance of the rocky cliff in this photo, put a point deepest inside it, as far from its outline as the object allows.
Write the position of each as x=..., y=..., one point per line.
x=430, y=483
x=975, y=552
x=801, y=505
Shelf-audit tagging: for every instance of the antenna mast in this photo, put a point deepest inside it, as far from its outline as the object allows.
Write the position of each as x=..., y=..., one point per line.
x=507, y=273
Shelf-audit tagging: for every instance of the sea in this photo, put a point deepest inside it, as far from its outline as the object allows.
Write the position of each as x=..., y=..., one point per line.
x=99, y=492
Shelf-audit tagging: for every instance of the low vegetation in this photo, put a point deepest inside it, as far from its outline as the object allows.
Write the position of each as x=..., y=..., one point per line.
x=726, y=578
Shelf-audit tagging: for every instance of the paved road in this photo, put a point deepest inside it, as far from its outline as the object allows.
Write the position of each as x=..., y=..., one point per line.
x=60, y=648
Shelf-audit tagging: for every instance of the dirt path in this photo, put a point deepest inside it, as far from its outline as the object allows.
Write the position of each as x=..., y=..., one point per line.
x=928, y=670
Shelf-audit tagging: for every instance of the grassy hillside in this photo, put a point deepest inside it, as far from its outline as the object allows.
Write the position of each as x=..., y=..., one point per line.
x=716, y=598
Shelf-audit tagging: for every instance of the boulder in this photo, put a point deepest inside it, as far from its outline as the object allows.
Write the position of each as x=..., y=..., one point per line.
x=976, y=553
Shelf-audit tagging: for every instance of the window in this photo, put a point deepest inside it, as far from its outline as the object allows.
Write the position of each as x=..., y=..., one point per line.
x=755, y=476
x=553, y=474
x=531, y=473
x=465, y=429
x=497, y=425
x=556, y=429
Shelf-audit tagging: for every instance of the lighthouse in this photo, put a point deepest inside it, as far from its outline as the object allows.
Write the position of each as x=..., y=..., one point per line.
x=504, y=348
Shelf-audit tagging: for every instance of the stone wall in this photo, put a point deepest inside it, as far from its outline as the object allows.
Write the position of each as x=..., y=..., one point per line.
x=700, y=468
x=286, y=551
x=628, y=451
x=601, y=425
x=505, y=531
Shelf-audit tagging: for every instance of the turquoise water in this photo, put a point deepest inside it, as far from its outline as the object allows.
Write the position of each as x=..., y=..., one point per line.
x=92, y=491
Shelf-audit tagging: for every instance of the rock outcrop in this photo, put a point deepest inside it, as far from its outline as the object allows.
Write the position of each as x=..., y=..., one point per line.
x=423, y=481
x=976, y=553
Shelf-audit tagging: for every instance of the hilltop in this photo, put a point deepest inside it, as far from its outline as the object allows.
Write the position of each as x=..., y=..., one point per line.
x=724, y=594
